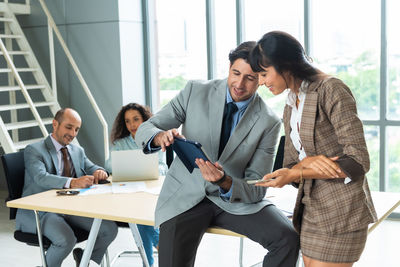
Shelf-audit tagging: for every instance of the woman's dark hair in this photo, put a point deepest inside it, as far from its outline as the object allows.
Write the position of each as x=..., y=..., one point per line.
x=119, y=129
x=283, y=52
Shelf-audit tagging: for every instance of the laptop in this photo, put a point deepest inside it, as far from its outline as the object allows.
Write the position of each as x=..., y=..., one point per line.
x=133, y=165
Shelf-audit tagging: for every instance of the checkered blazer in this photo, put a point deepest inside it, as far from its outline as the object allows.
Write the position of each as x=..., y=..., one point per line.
x=330, y=126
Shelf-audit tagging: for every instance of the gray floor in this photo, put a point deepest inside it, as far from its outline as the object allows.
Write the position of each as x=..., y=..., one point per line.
x=381, y=249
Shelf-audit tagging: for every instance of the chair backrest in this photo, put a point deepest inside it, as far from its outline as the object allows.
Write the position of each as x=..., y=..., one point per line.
x=279, y=154
x=14, y=170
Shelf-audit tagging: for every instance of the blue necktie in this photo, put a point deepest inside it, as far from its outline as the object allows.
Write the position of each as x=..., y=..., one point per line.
x=230, y=109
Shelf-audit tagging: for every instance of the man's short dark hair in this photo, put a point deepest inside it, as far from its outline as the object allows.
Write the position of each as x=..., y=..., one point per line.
x=60, y=115
x=242, y=51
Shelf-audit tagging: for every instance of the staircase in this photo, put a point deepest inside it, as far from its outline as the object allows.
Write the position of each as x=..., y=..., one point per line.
x=27, y=102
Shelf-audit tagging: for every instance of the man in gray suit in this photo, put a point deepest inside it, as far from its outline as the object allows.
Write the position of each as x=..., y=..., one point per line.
x=239, y=133
x=53, y=163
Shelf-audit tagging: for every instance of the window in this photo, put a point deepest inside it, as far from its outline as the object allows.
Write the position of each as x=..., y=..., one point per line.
x=393, y=96
x=349, y=48
x=182, y=51
x=393, y=51
x=262, y=16
x=225, y=34
x=345, y=42
x=372, y=139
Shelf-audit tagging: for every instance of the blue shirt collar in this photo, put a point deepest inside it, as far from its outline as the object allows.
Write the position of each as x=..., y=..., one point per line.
x=240, y=105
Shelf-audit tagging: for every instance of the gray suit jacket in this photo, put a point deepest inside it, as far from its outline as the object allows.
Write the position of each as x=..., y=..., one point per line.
x=249, y=153
x=41, y=166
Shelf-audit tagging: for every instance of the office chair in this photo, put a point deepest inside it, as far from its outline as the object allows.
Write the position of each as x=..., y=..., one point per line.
x=14, y=170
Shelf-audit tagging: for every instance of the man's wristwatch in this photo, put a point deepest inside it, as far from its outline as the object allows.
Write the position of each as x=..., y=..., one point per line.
x=220, y=181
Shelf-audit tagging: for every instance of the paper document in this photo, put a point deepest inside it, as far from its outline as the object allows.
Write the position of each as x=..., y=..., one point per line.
x=95, y=190
x=153, y=190
x=128, y=187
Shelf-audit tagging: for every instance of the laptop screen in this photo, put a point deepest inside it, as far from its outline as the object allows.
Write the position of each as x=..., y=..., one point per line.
x=134, y=165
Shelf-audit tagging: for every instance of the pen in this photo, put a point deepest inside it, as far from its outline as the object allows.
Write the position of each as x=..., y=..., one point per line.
x=83, y=171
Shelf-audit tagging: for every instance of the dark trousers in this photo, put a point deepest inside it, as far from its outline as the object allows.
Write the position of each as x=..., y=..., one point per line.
x=181, y=235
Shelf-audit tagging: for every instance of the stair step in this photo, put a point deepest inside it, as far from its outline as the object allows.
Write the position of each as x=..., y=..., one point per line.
x=14, y=53
x=19, y=70
x=23, y=144
x=16, y=88
x=10, y=36
x=26, y=124
x=25, y=105
x=6, y=19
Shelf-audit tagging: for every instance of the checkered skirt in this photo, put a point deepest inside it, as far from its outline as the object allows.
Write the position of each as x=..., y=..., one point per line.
x=332, y=247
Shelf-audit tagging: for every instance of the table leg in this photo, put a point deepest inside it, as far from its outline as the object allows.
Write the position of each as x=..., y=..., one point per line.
x=241, y=252
x=139, y=243
x=383, y=217
x=94, y=230
x=39, y=234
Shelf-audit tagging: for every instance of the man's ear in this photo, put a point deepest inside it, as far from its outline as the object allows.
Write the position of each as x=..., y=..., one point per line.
x=55, y=124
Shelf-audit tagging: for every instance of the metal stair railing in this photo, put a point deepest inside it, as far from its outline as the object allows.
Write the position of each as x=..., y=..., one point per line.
x=8, y=144
x=24, y=91
x=53, y=27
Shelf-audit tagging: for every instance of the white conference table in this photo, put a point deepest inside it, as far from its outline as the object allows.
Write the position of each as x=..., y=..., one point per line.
x=139, y=207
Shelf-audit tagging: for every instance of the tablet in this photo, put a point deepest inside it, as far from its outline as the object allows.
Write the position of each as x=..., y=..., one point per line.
x=188, y=152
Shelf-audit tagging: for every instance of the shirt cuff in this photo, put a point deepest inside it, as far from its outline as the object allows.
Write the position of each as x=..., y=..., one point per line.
x=226, y=196
x=68, y=183
x=149, y=148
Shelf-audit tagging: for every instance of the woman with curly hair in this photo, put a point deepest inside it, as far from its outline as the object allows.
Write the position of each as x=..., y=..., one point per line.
x=123, y=133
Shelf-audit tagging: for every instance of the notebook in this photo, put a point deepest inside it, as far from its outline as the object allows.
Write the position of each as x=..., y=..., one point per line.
x=133, y=165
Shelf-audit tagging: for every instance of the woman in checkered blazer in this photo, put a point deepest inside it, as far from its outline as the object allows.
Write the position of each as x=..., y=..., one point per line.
x=326, y=155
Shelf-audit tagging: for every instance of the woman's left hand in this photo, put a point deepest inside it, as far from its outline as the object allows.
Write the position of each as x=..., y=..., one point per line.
x=323, y=165
x=279, y=178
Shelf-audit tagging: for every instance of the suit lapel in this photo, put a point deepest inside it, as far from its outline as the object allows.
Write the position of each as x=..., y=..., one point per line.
x=308, y=118
x=74, y=159
x=53, y=153
x=244, y=126
x=217, y=100
x=290, y=150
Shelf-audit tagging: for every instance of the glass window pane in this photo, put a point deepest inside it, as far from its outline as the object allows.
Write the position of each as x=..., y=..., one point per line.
x=346, y=43
x=182, y=47
x=393, y=135
x=225, y=34
x=393, y=50
x=372, y=138
x=277, y=103
x=262, y=16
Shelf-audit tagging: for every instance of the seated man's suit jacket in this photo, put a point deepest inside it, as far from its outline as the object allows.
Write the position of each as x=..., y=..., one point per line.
x=41, y=166
x=249, y=153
